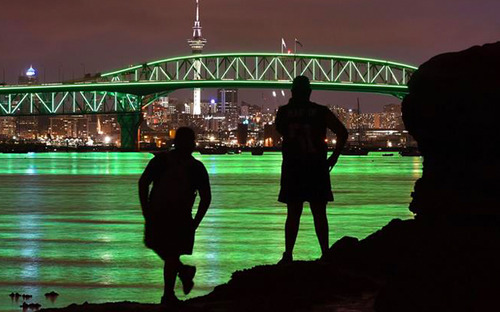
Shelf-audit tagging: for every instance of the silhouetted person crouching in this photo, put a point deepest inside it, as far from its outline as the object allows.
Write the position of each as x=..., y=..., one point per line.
x=305, y=168
x=169, y=230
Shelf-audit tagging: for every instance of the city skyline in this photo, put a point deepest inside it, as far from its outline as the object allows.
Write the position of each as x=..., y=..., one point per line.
x=57, y=44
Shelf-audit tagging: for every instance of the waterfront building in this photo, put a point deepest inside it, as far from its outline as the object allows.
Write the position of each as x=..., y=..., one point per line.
x=69, y=127
x=109, y=125
x=7, y=127
x=158, y=115
x=392, y=117
x=340, y=112
x=27, y=127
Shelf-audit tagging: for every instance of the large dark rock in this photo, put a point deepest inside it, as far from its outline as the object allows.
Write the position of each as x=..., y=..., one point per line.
x=452, y=112
x=448, y=258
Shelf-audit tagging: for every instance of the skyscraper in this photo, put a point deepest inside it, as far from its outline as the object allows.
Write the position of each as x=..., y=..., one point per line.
x=229, y=106
x=197, y=43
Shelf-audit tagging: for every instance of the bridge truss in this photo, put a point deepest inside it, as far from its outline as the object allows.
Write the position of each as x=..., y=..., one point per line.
x=131, y=89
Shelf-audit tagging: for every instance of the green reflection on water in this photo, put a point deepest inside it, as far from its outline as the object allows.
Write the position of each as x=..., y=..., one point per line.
x=71, y=222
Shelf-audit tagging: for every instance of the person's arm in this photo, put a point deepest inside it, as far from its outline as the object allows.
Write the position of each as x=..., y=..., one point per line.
x=144, y=182
x=336, y=126
x=205, y=198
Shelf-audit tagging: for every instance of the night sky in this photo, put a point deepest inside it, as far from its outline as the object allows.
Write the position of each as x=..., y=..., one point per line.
x=61, y=38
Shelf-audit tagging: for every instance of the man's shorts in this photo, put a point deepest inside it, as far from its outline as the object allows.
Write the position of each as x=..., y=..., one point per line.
x=306, y=179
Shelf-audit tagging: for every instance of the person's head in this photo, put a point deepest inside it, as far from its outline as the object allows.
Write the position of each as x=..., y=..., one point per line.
x=184, y=140
x=301, y=88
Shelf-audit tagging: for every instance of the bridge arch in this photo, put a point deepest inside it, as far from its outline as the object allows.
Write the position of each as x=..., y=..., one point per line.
x=267, y=70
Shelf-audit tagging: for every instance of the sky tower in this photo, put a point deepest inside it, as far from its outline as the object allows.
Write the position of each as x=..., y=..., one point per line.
x=197, y=43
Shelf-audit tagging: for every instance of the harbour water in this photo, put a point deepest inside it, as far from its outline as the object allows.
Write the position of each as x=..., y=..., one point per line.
x=71, y=223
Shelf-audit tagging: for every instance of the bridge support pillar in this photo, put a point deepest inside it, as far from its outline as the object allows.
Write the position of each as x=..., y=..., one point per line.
x=130, y=132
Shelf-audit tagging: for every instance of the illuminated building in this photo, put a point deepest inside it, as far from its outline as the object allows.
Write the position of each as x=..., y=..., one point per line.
x=7, y=127
x=29, y=78
x=228, y=107
x=392, y=117
x=69, y=127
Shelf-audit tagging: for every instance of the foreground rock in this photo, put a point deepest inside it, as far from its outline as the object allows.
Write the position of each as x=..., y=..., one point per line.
x=447, y=258
x=452, y=112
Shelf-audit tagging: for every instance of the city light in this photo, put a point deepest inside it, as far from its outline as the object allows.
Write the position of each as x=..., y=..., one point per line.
x=107, y=139
x=31, y=72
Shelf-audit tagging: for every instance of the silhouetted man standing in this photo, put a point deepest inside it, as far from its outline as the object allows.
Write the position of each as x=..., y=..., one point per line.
x=169, y=230
x=305, y=169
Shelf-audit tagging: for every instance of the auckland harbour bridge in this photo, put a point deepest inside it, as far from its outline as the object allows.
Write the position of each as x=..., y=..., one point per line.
x=126, y=92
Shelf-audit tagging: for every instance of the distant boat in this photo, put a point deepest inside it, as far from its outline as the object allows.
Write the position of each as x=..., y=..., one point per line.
x=354, y=151
x=234, y=151
x=213, y=150
x=257, y=151
x=410, y=152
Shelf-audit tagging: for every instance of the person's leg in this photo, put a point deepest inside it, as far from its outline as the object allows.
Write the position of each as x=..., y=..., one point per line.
x=318, y=210
x=186, y=275
x=292, y=227
x=170, y=270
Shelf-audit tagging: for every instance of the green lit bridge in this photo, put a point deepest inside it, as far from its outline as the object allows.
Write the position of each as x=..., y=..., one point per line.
x=127, y=91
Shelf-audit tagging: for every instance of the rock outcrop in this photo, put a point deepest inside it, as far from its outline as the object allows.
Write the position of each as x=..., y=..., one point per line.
x=452, y=111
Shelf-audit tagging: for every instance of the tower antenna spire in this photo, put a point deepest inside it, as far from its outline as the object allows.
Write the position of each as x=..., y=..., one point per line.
x=197, y=23
x=198, y=10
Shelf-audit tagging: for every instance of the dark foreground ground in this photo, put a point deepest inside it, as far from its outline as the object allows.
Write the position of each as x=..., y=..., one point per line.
x=406, y=266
